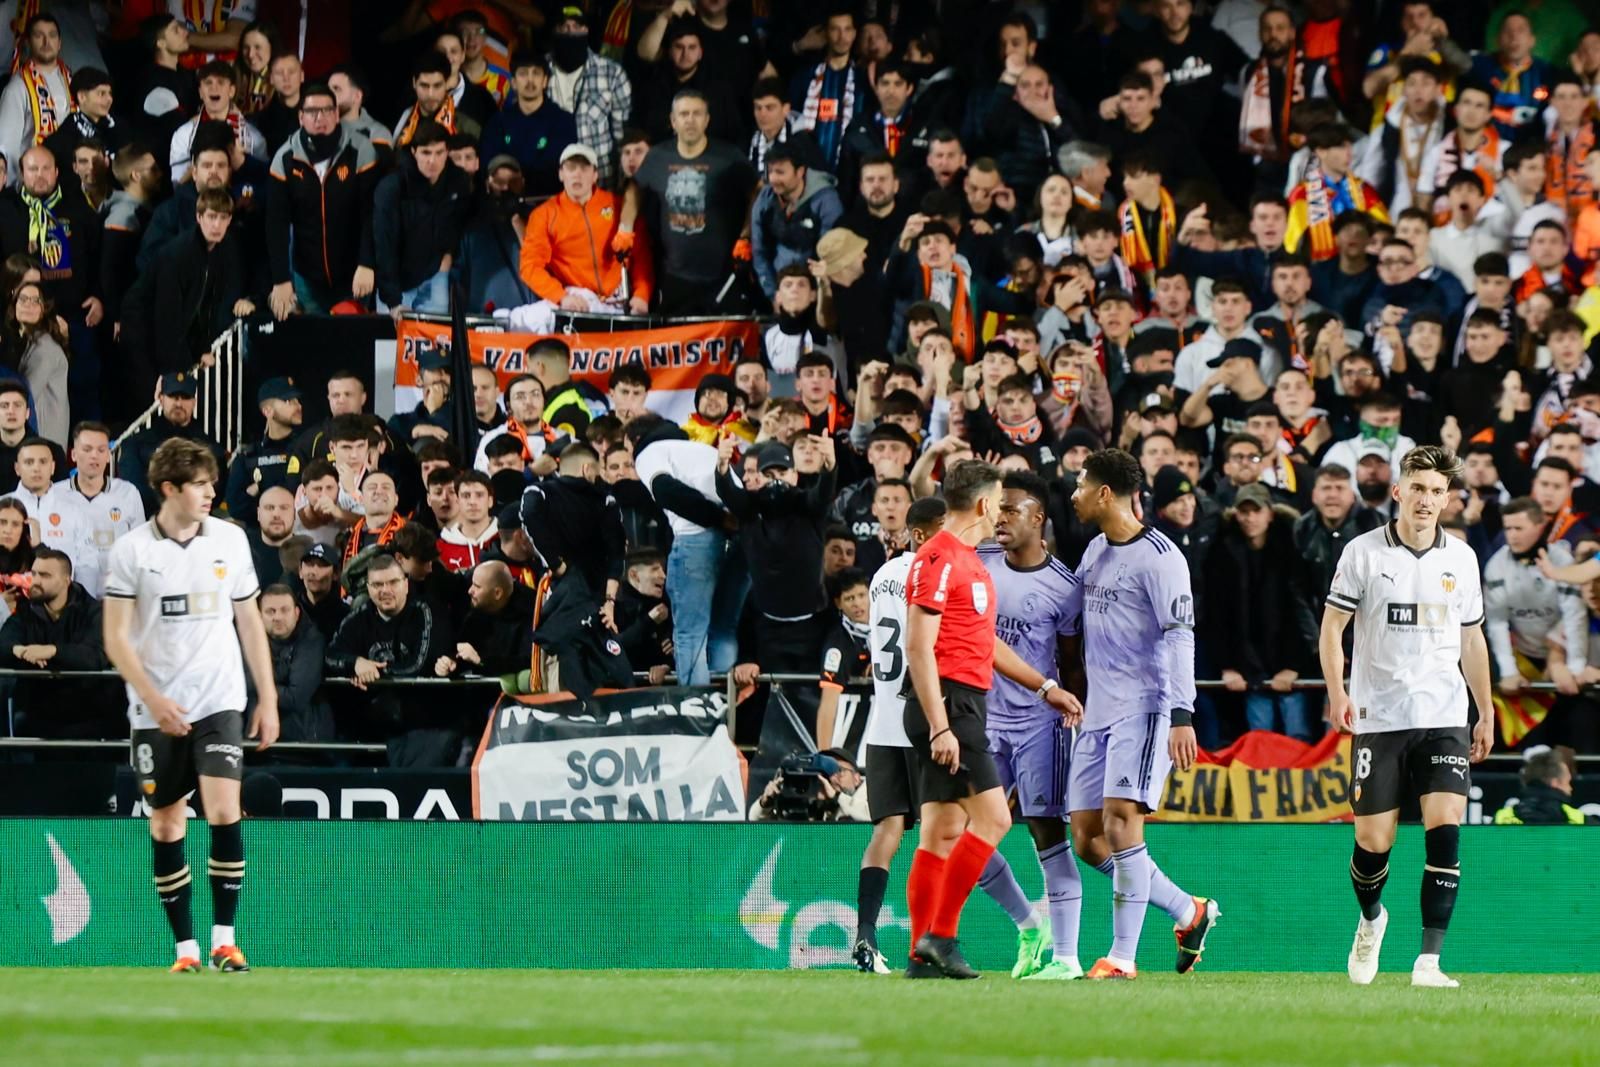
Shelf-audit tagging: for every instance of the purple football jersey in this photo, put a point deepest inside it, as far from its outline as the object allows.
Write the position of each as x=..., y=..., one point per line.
x=1032, y=609
x=1138, y=628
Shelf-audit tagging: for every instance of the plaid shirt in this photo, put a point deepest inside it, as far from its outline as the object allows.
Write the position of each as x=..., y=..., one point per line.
x=602, y=103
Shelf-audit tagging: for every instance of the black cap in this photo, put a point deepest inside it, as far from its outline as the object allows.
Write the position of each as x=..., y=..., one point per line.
x=277, y=389
x=889, y=431
x=319, y=554
x=1170, y=483
x=510, y=517
x=1263, y=407
x=1114, y=293
x=720, y=382
x=775, y=455
x=433, y=359
x=1155, y=339
x=1238, y=348
x=1078, y=437
x=181, y=383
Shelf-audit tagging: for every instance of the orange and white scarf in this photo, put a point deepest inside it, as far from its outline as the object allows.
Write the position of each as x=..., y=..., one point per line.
x=1260, y=132
x=1565, y=182
x=42, y=107
x=1484, y=161
x=445, y=116
x=1136, y=246
x=952, y=289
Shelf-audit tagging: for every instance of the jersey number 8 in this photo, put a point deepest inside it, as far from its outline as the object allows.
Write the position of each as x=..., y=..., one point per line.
x=146, y=760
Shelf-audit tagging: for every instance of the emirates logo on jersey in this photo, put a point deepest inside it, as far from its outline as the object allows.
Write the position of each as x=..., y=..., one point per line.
x=1447, y=582
x=219, y=568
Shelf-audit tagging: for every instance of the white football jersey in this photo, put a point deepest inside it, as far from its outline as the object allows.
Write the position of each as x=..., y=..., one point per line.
x=183, y=628
x=887, y=639
x=1409, y=610
x=85, y=527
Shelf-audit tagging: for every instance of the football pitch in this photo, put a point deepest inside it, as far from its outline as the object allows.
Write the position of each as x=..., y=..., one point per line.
x=355, y=1018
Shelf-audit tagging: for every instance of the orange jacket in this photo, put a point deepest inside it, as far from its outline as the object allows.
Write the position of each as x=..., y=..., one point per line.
x=568, y=246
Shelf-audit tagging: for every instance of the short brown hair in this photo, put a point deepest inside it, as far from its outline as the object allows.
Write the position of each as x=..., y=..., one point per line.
x=218, y=200
x=1432, y=458
x=181, y=461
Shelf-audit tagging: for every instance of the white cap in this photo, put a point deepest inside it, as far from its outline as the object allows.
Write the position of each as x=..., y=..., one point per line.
x=580, y=151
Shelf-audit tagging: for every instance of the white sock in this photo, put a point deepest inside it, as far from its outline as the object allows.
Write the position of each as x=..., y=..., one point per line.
x=1121, y=965
x=189, y=948
x=1185, y=919
x=221, y=936
x=1427, y=959
x=1031, y=922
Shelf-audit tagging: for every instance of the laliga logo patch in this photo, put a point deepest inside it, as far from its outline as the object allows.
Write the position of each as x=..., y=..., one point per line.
x=219, y=568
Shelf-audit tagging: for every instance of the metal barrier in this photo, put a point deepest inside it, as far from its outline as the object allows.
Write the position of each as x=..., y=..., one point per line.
x=220, y=394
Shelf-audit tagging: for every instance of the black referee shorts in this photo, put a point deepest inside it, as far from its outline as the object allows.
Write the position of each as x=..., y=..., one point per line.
x=169, y=768
x=892, y=785
x=967, y=710
x=1387, y=765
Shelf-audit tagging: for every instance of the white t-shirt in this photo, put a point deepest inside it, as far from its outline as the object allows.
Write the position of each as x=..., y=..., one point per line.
x=85, y=528
x=183, y=628
x=887, y=618
x=691, y=463
x=1409, y=611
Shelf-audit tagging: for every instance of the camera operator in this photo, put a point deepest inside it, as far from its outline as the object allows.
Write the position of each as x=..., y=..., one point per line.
x=814, y=787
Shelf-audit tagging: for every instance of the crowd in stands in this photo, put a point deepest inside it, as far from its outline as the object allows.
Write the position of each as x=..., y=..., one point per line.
x=1266, y=248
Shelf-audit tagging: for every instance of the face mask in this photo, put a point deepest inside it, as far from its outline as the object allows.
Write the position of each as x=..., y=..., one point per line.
x=570, y=51
x=1065, y=386
x=794, y=325
x=323, y=145
x=1387, y=434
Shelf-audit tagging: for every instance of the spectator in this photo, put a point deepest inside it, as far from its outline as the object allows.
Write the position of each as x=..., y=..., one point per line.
x=270, y=531
x=88, y=510
x=174, y=419
x=566, y=405
x=258, y=45
x=525, y=408
x=38, y=99
x=496, y=637
x=569, y=256
x=1250, y=631
x=167, y=92
x=1343, y=282
x=706, y=576
x=1546, y=790
x=696, y=195
x=1230, y=312
x=682, y=68
x=1024, y=129
x=594, y=90
x=127, y=216
x=1423, y=33
x=322, y=507
x=775, y=124
x=298, y=649
x=379, y=521
x=431, y=74
x=1521, y=79
x=59, y=630
x=473, y=30
x=89, y=120
x=1379, y=425
x=644, y=620
x=316, y=584
x=1282, y=77
x=211, y=168
x=271, y=462
x=846, y=653
x=573, y=518
x=1469, y=234
x=1525, y=612
x=35, y=347
x=491, y=247
x=393, y=635
x=1140, y=125
x=218, y=96
x=1328, y=189
x=1411, y=127
x=530, y=127
x=1473, y=147
x=792, y=211
x=830, y=95
x=418, y=214
x=313, y=214
x=1320, y=537
x=349, y=90
x=463, y=543
x=473, y=103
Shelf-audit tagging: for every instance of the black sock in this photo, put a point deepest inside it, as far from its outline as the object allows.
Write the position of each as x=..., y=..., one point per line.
x=869, y=900
x=1441, y=880
x=174, y=886
x=1368, y=872
x=227, y=872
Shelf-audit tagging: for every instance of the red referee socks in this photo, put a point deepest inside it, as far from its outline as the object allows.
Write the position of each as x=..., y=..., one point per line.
x=962, y=868
x=922, y=890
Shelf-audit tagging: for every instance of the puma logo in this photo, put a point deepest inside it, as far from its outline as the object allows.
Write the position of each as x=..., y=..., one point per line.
x=1386, y=577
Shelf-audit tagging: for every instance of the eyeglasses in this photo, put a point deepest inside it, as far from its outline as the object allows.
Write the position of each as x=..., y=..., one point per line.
x=1357, y=372
x=317, y=112
x=1395, y=262
x=1244, y=457
x=26, y=300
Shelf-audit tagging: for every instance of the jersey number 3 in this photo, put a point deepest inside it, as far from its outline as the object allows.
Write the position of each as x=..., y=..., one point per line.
x=891, y=648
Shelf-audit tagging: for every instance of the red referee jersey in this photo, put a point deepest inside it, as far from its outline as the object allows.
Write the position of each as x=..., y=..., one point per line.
x=948, y=578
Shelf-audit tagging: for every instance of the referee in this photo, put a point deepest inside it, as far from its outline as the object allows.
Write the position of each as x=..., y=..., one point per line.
x=1417, y=602
x=180, y=605
x=951, y=653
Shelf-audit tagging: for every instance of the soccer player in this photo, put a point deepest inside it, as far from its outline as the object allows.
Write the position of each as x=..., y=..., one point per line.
x=1418, y=606
x=1138, y=650
x=892, y=796
x=180, y=605
x=951, y=655
x=1038, y=604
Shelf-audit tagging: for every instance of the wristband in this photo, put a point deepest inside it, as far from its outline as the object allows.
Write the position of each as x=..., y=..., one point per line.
x=1182, y=717
x=1049, y=684
x=938, y=735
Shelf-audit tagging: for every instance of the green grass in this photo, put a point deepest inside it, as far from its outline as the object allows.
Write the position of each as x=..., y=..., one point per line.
x=311, y=1018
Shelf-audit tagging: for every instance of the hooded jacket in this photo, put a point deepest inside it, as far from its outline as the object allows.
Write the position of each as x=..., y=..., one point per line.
x=456, y=553
x=415, y=224
x=297, y=669
x=330, y=216
x=77, y=708
x=178, y=307
x=781, y=529
x=567, y=245
x=779, y=238
x=1320, y=549
x=1251, y=630
x=576, y=520
x=410, y=642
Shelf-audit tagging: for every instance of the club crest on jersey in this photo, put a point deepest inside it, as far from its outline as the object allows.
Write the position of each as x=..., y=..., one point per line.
x=1447, y=582
x=55, y=519
x=116, y=514
x=219, y=568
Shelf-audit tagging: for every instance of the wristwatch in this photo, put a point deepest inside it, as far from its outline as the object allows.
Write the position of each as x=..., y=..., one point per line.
x=1049, y=684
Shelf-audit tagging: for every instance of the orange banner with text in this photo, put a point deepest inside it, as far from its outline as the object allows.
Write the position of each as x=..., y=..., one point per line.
x=1263, y=777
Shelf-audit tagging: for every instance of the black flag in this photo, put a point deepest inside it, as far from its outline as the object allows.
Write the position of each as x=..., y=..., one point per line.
x=463, y=419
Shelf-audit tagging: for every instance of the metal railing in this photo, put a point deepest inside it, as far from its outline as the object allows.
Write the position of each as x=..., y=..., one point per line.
x=219, y=393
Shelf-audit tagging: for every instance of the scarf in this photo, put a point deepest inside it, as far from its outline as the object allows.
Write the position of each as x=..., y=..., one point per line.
x=826, y=116
x=789, y=338
x=1027, y=432
x=952, y=290
x=352, y=547
x=520, y=432
x=257, y=92
x=1084, y=199
x=858, y=631
x=445, y=116
x=1260, y=132
x=1533, y=280
x=36, y=85
x=1136, y=243
x=201, y=20
x=1484, y=161
x=619, y=27
x=1565, y=183
x=892, y=133
x=45, y=234
x=26, y=9
x=1325, y=200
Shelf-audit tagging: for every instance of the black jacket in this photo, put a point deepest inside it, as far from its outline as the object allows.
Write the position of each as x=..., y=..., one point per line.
x=77, y=277
x=1251, y=629
x=410, y=643
x=781, y=531
x=1319, y=549
x=644, y=524
x=174, y=217
x=87, y=708
x=415, y=225
x=588, y=655
x=573, y=519
x=641, y=636
x=326, y=614
x=134, y=462
x=297, y=663
x=78, y=128
x=181, y=304
x=504, y=640
x=330, y=216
